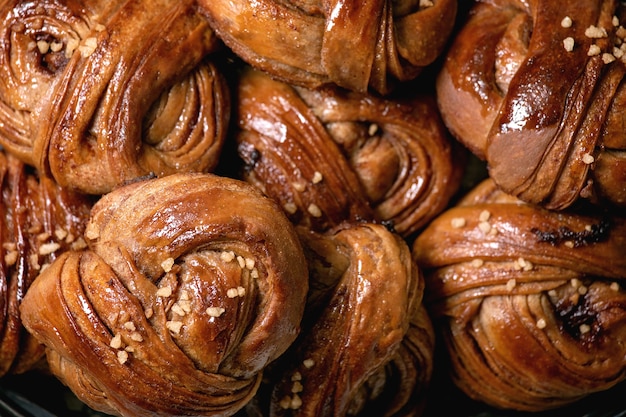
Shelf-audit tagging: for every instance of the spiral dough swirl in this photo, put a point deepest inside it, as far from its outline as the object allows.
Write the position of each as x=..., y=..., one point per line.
x=100, y=93
x=191, y=285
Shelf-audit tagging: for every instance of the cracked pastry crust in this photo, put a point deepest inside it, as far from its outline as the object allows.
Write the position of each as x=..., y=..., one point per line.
x=38, y=222
x=329, y=156
x=531, y=303
x=95, y=94
x=357, y=45
x=191, y=285
x=536, y=89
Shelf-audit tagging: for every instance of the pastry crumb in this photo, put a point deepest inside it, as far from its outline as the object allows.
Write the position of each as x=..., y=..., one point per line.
x=227, y=256
x=484, y=216
x=594, y=50
x=167, y=264
x=484, y=227
x=174, y=326
x=164, y=292
x=566, y=22
x=249, y=263
x=608, y=58
x=595, y=32
x=458, y=222
x=116, y=341
x=215, y=311
x=122, y=356
x=314, y=210
x=317, y=177
x=290, y=207
x=477, y=263
x=511, y=284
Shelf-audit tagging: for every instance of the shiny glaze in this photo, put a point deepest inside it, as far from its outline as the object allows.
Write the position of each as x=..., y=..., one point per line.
x=128, y=93
x=533, y=315
x=533, y=110
x=379, y=160
x=210, y=364
x=364, y=312
x=35, y=212
x=299, y=42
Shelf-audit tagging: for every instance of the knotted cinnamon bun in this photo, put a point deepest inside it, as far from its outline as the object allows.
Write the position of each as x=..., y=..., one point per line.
x=366, y=343
x=97, y=93
x=531, y=302
x=357, y=45
x=38, y=221
x=190, y=286
x=536, y=89
x=328, y=156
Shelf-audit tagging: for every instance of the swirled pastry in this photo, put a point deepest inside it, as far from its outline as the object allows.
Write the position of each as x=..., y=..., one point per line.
x=366, y=344
x=38, y=221
x=536, y=88
x=531, y=302
x=328, y=156
x=191, y=285
x=97, y=93
x=356, y=45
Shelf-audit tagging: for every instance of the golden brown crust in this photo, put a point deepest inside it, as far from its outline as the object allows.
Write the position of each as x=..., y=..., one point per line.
x=530, y=302
x=39, y=221
x=192, y=284
x=99, y=93
x=329, y=156
x=364, y=304
x=356, y=45
x=413, y=366
x=541, y=112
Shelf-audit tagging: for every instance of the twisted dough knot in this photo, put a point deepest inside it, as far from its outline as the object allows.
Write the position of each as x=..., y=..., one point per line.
x=366, y=344
x=357, y=45
x=536, y=89
x=192, y=284
x=38, y=221
x=530, y=302
x=99, y=93
x=329, y=156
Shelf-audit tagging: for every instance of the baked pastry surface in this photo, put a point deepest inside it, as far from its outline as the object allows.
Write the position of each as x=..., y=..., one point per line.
x=357, y=45
x=536, y=89
x=530, y=302
x=39, y=220
x=366, y=344
x=98, y=93
x=329, y=156
x=191, y=285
